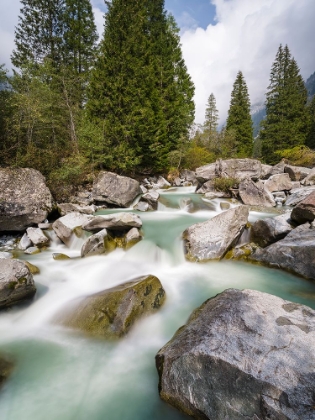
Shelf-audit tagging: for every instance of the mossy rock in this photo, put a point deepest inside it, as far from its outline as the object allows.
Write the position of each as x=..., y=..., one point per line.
x=33, y=269
x=110, y=314
x=60, y=257
x=6, y=367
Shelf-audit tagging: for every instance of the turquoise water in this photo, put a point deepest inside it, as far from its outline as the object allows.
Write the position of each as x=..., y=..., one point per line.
x=61, y=374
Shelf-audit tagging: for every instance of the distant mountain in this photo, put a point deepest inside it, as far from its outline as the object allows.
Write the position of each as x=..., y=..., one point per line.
x=258, y=111
x=310, y=85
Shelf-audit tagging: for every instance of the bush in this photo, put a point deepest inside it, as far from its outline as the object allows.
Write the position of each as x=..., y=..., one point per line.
x=225, y=184
x=299, y=155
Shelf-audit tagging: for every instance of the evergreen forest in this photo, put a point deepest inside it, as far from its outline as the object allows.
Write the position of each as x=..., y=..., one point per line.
x=76, y=104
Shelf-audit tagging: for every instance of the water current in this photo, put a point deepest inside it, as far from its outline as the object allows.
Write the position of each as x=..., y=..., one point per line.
x=61, y=374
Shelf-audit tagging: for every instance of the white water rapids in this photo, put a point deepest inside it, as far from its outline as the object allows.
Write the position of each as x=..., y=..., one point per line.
x=64, y=375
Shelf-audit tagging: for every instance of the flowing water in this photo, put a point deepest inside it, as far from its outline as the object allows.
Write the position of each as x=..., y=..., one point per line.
x=64, y=375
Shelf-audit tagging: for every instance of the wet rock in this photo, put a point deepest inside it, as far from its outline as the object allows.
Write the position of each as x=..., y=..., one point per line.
x=255, y=194
x=6, y=255
x=132, y=238
x=296, y=173
x=267, y=231
x=115, y=221
x=152, y=198
x=161, y=183
x=294, y=253
x=207, y=187
x=66, y=208
x=279, y=182
x=25, y=199
x=114, y=189
x=239, y=169
x=6, y=368
x=142, y=206
x=70, y=224
x=16, y=282
x=206, y=172
x=213, y=239
x=33, y=268
x=216, y=194
x=242, y=355
x=305, y=210
x=111, y=313
x=37, y=237
x=297, y=195
x=32, y=250
x=25, y=242
x=143, y=189
x=60, y=257
x=97, y=244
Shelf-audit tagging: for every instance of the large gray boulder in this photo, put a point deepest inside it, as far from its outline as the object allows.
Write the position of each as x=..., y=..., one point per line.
x=296, y=173
x=298, y=194
x=255, y=194
x=115, y=221
x=25, y=199
x=111, y=313
x=242, y=355
x=267, y=231
x=114, y=189
x=206, y=172
x=294, y=253
x=214, y=238
x=310, y=178
x=279, y=182
x=66, y=208
x=305, y=210
x=37, y=237
x=97, y=244
x=71, y=224
x=239, y=169
x=16, y=282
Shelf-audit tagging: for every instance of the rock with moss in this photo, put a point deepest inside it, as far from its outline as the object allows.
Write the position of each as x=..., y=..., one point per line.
x=132, y=238
x=33, y=268
x=110, y=314
x=57, y=256
x=114, y=189
x=242, y=355
x=69, y=225
x=215, y=237
x=115, y=221
x=6, y=368
x=25, y=200
x=33, y=250
x=16, y=282
x=99, y=243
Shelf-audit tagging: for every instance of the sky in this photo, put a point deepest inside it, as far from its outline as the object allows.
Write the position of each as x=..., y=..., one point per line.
x=219, y=38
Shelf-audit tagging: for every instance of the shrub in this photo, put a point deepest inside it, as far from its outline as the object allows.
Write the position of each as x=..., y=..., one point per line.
x=225, y=184
x=299, y=155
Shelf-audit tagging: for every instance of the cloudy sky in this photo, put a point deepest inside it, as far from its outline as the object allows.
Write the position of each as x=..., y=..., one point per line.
x=219, y=38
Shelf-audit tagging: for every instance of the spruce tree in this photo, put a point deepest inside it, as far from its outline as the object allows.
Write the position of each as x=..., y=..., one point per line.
x=286, y=120
x=140, y=88
x=239, y=118
x=212, y=115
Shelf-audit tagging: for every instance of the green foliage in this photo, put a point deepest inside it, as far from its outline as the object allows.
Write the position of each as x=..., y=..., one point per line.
x=196, y=156
x=239, y=118
x=310, y=139
x=140, y=91
x=298, y=155
x=225, y=184
x=286, y=122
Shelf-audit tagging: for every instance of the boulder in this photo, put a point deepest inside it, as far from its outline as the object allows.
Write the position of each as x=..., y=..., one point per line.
x=65, y=226
x=6, y=368
x=297, y=195
x=25, y=242
x=188, y=176
x=32, y=250
x=239, y=169
x=294, y=253
x=213, y=239
x=111, y=313
x=37, y=237
x=255, y=194
x=142, y=206
x=279, y=182
x=161, y=183
x=114, y=189
x=25, y=199
x=267, y=231
x=99, y=243
x=217, y=194
x=206, y=172
x=5, y=255
x=207, y=187
x=266, y=171
x=115, y=221
x=152, y=197
x=16, y=282
x=132, y=238
x=242, y=355
x=60, y=257
x=305, y=210
x=65, y=208
x=310, y=178
x=296, y=173
x=278, y=168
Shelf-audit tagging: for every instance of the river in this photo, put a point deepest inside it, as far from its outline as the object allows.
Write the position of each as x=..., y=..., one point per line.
x=62, y=374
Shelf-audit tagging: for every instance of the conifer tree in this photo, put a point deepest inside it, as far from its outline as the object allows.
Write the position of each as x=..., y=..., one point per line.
x=310, y=140
x=286, y=120
x=212, y=114
x=140, y=88
x=239, y=118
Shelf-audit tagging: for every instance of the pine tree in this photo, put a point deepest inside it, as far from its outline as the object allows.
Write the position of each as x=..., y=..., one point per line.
x=286, y=120
x=239, y=118
x=140, y=88
x=310, y=140
x=212, y=115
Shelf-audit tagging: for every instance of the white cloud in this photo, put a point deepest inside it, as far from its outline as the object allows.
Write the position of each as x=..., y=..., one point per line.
x=246, y=37
x=9, y=12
